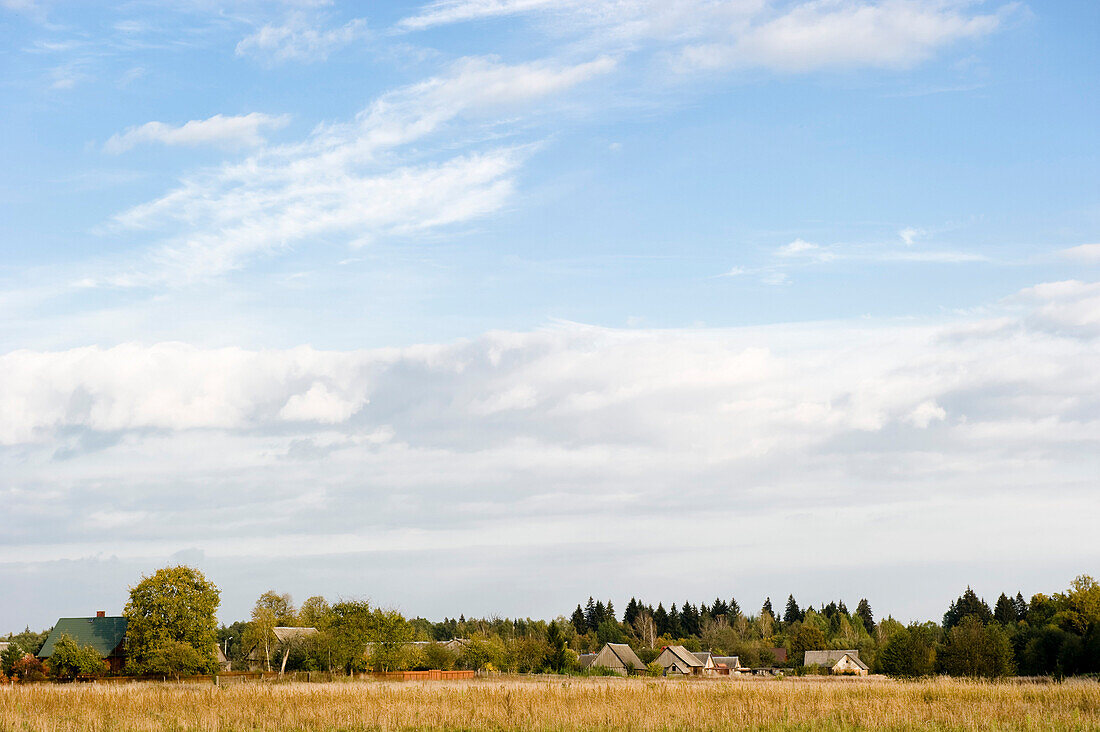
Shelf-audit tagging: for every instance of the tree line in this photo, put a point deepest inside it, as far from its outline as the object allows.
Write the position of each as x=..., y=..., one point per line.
x=172, y=630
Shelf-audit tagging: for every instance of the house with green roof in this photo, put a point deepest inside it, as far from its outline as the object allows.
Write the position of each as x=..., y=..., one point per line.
x=105, y=634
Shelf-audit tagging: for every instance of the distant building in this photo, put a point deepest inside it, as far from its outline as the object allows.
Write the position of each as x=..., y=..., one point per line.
x=105, y=634
x=780, y=654
x=838, y=662
x=286, y=638
x=585, y=660
x=4, y=646
x=619, y=657
x=679, y=660
x=726, y=665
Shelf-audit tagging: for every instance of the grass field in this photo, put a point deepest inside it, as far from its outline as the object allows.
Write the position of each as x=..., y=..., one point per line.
x=558, y=704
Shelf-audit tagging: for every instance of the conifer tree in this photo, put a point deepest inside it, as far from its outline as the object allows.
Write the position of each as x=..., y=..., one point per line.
x=767, y=608
x=792, y=613
x=675, y=622
x=579, y=623
x=689, y=618
x=967, y=604
x=609, y=613
x=631, y=612
x=601, y=613
x=590, y=618
x=863, y=611
x=660, y=619
x=1021, y=606
x=719, y=608
x=733, y=611
x=1005, y=610
x=842, y=608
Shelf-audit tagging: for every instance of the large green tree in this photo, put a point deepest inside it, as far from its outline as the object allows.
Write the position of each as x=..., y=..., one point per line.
x=70, y=660
x=175, y=606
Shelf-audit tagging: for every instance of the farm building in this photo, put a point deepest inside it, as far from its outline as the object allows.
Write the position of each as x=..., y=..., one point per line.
x=105, y=634
x=838, y=662
x=726, y=665
x=707, y=659
x=619, y=657
x=679, y=660
x=585, y=660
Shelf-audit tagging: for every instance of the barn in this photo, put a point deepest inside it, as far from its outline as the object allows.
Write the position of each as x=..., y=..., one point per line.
x=679, y=660
x=619, y=657
x=838, y=662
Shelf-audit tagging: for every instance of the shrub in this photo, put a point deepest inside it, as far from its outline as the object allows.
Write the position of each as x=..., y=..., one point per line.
x=69, y=660
x=174, y=658
x=28, y=669
x=654, y=669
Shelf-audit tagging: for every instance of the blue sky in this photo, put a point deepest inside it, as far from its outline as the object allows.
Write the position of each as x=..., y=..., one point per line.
x=305, y=292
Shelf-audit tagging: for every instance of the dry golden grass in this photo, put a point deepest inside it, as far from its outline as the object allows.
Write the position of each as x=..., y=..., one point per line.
x=557, y=704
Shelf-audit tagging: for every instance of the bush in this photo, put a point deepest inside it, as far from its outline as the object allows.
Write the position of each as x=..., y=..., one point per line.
x=174, y=658
x=654, y=669
x=69, y=660
x=28, y=669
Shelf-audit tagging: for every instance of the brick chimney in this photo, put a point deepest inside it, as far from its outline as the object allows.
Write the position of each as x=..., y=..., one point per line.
x=101, y=613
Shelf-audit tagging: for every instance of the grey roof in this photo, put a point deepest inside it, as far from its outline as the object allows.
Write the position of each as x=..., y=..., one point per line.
x=585, y=659
x=290, y=635
x=703, y=656
x=626, y=655
x=103, y=634
x=830, y=658
x=684, y=655
x=728, y=661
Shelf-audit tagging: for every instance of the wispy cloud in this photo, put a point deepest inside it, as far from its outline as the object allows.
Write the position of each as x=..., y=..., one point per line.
x=302, y=39
x=796, y=37
x=346, y=180
x=219, y=130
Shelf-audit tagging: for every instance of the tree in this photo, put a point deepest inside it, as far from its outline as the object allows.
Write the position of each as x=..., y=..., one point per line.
x=555, y=653
x=28, y=669
x=1004, y=612
x=734, y=610
x=172, y=657
x=646, y=628
x=349, y=632
x=909, y=653
x=70, y=660
x=967, y=604
x=8, y=658
x=610, y=631
x=314, y=613
x=792, y=613
x=675, y=623
x=174, y=605
x=632, y=610
x=689, y=618
x=975, y=649
x=1021, y=606
x=591, y=619
x=808, y=638
x=439, y=656
x=767, y=608
x=389, y=632
x=660, y=619
x=720, y=609
x=580, y=624
x=863, y=612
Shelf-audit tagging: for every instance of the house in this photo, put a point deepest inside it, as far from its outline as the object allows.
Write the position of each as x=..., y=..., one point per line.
x=105, y=634
x=679, y=660
x=223, y=662
x=707, y=659
x=838, y=662
x=726, y=665
x=585, y=660
x=780, y=655
x=619, y=657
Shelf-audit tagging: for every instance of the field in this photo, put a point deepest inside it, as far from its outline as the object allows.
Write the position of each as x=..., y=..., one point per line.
x=548, y=703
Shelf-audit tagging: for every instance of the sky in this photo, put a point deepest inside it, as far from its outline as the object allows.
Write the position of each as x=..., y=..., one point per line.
x=486, y=306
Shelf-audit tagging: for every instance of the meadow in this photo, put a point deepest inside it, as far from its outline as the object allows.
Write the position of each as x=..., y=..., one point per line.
x=555, y=703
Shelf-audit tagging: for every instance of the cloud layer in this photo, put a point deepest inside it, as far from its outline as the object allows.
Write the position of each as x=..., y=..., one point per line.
x=219, y=130
x=546, y=440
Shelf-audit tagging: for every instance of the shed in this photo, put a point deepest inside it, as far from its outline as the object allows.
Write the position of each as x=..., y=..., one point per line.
x=838, y=662
x=707, y=659
x=107, y=635
x=727, y=665
x=619, y=657
x=679, y=660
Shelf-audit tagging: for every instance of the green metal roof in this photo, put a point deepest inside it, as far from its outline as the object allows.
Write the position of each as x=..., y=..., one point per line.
x=102, y=634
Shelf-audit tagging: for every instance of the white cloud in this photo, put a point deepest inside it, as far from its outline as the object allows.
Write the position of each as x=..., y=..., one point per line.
x=1086, y=253
x=909, y=235
x=219, y=130
x=791, y=37
x=299, y=39
x=797, y=247
x=532, y=440
x=345, y=181
x=845, y=33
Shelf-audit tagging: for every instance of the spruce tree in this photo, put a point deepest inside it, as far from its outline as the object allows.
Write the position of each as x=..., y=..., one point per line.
x=863, y=610
x=675, y=622
x=719, y=609
x=590, y=618
x=1021, y=606
x=579, y=623
x=733, y=610
x=767, y=608
x=609, y=613
x=792, y=612
x=601, y=613
x=631, y=612
x=842, y=608
x=967, y=604
x=660, y=619
x=689, y=618
x=1005, y=610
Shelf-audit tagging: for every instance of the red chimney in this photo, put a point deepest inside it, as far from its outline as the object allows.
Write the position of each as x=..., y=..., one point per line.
x=101, y=613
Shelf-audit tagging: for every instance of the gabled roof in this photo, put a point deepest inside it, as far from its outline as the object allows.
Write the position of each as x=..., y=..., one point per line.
x=829, y=658
x=626, y=655
x=685, y=656
x=286, y=635
x=103, y=634
x=727, y=661
x=585, y=660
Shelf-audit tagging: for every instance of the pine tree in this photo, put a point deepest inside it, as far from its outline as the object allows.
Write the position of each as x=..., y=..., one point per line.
x=579, y=623
x=863, y=610
x=609, y=613
x=719, y=608
x=675, y=622
x=689, y=618
x=601, y=613
x=1021, y=606
x=767, y=608
x=1005, y=610
x=842, y=608
x=733, y=610
x=660, y=619
x=792, y=612
x=590, y=618
x=829, y=610
x=968, y=604
x=631, y=612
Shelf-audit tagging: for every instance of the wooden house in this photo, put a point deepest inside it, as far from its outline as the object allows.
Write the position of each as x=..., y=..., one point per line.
x=619, y=657
x=107, y=635
x=679, y=660
x=838, y=662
